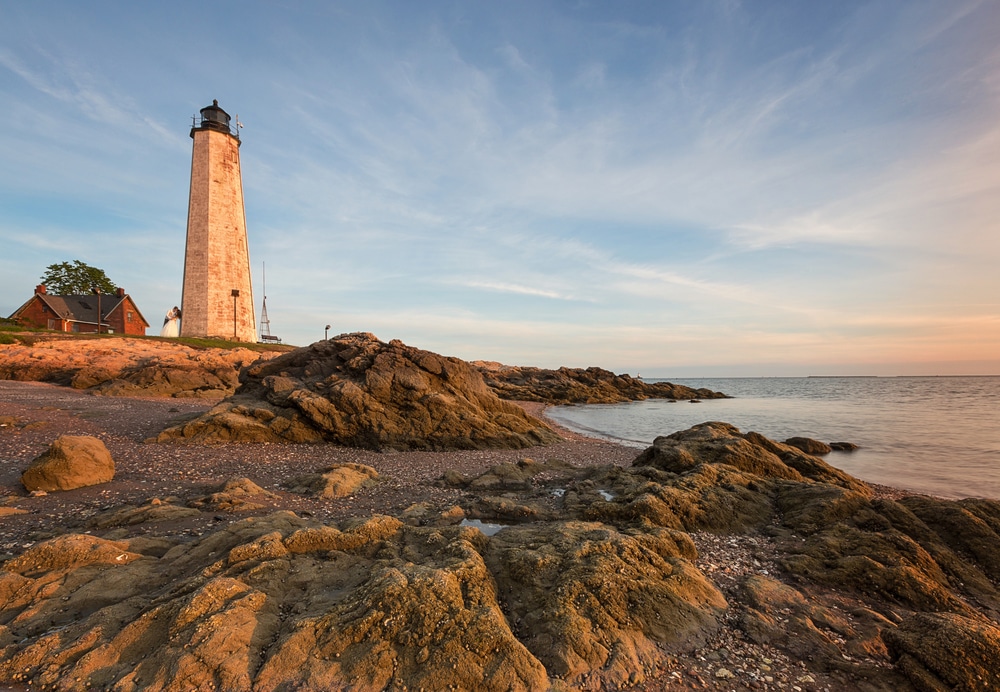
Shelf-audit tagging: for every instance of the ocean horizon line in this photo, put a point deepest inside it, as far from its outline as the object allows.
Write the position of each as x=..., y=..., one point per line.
x=804, y=377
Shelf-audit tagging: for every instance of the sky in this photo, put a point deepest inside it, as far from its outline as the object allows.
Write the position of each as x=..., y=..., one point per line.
x=664, y=188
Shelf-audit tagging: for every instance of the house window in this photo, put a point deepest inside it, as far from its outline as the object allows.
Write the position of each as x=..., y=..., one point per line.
x=76, y=326
x=129, y=316
x=52, y=324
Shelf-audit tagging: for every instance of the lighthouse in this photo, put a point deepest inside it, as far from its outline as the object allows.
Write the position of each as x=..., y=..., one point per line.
x=217, y=298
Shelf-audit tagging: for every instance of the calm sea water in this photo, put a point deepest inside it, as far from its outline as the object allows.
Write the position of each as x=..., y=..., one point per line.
x=935, y=435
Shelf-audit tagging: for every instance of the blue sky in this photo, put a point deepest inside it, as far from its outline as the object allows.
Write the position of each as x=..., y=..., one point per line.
x=670, y=188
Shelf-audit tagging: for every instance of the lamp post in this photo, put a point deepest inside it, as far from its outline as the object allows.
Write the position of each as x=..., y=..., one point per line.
x=97, y=290
x=326, y=333
x=236, y=294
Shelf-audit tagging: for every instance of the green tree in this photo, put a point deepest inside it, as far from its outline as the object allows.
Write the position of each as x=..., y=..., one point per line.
x=76, y=278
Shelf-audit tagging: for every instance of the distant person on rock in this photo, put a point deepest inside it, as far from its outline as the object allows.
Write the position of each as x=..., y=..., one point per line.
x=172, y=323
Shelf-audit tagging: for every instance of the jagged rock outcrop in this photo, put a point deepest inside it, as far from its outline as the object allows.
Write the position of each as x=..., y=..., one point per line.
x=284, y=603
x=593, y=579
x=779, y=615
x=585, y=597
x=944, y=651
x=72, y=461
x=580, y=386
x=128, y=367
x=835, y=541
x=358, y=391
x=152, y=367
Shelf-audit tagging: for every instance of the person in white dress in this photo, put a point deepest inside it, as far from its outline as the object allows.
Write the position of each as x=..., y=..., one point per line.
x=172, y=323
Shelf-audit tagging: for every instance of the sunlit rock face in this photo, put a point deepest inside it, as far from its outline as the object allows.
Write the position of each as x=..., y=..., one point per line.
x=358, y=391
x=72, y=461
x=128, y=367
x=580, y=577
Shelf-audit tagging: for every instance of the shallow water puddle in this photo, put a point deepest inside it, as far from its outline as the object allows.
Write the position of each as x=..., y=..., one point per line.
x=487, y=529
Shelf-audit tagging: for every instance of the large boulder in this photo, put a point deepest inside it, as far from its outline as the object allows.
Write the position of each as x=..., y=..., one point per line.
x=722, y=443
x=358, y=391
x=713, y=443
x=73, y=461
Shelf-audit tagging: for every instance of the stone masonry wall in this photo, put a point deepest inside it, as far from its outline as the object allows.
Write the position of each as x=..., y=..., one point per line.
x=217, y=257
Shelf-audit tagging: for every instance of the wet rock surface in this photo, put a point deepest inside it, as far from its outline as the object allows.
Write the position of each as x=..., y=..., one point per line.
x=580, y=385
x=809, y=445
x=358, y=391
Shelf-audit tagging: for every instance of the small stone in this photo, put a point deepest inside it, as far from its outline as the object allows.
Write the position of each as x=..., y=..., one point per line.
x=724, y=674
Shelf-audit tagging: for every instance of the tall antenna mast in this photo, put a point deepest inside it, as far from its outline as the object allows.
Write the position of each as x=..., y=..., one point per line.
x=265, y=324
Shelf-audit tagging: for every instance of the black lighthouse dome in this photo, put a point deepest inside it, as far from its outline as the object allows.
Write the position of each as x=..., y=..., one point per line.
x=214, y=118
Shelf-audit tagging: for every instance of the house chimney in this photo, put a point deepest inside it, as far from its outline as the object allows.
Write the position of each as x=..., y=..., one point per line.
x=40, y=288
x=120, y=292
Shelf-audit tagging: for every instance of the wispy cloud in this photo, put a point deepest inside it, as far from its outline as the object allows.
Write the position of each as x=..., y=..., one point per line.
x=653, y=184
x=515, y=288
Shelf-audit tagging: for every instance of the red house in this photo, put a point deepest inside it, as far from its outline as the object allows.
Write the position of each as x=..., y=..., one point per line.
x=119, y=315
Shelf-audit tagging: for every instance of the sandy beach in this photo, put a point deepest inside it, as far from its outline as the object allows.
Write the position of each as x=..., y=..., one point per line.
x=146, y=471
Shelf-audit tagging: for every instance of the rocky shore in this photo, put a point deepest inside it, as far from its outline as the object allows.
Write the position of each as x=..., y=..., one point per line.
x=118, y=366
x=580, y=385
x=714, y=559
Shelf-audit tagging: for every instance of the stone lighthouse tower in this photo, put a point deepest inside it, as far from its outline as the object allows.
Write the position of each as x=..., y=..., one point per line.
x=217, y=299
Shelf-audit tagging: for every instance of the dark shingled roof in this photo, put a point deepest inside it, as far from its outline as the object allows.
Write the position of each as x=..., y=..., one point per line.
x=82, y=308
